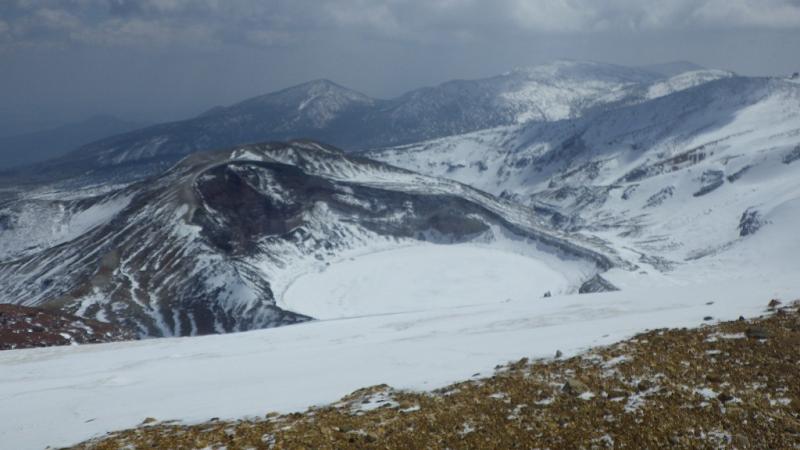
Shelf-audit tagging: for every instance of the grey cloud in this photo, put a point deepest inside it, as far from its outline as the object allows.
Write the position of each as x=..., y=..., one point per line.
x=280, y=22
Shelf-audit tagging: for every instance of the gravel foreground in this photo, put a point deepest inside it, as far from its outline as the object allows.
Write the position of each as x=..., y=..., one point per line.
x=727, y=385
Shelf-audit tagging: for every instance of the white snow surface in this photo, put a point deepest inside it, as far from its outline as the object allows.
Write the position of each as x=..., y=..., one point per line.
x=61, y=395
x=420, y=277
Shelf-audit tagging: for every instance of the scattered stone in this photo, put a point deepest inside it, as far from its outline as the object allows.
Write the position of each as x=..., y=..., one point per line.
x=710, y=181
x=644, y=385
x=756, y=333
x=707, y=318
x=617, y=393
x=597, y=284
x=750, y=222
x=148, y=420
x=575, y=387
x=773, y=303
x=792, y=156
x=559, y=354
x=724, y=397
x=713, y=378
x=741, y=442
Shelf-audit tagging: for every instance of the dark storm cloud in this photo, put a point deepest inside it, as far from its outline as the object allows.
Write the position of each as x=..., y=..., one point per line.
x=155, y=59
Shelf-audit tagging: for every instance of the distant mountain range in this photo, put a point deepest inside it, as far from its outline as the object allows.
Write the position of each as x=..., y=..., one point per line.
x=29, y=148
x=325, y=111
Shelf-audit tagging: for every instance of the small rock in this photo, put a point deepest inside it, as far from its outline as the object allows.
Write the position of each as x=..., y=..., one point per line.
x=148, y=420
x=575, y=387
x=741, y=441
x=559, y=354
x=724, y=397
x=644, y=385
x=733, y=410
x=756, y=333
x=707, y=318
x=773, y=303
x=713, y=378
x=709, y=303
x=617, y=393
x=741, y=319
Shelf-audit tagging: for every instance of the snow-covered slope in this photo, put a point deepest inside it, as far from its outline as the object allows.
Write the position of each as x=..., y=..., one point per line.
x=684, y=81
x=680, y=180
x=80, y=392
x=211, y=245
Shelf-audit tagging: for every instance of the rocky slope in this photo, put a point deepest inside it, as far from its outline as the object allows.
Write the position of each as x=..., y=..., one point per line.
x=208, y=246
x=24, y=327
x=730, y=385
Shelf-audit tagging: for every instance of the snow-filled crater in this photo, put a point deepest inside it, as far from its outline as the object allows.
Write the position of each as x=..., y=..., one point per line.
x=422, y=277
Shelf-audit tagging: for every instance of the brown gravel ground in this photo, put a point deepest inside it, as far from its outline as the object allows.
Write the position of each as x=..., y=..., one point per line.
x=728, y=385
x=27, y=327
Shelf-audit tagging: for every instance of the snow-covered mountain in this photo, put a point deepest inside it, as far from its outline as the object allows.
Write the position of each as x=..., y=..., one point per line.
x=683, y=179
x=212, y=244
x=325, y=111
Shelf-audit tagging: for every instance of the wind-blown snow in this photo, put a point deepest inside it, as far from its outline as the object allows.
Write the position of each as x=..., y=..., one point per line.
x=67, y=394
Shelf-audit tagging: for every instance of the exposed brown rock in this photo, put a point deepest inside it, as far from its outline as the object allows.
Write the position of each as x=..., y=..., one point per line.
x=757, y=333
x=26, y=327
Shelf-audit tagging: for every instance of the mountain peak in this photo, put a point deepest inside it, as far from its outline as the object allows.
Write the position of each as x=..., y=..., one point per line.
x=672, y=68
x=309, y=91
x=581, y=70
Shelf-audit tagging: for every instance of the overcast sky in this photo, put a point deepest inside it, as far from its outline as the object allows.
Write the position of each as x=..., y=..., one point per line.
x=154, y=60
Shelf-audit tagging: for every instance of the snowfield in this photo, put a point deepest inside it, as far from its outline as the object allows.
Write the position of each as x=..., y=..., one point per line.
x=421, y=277
x=62, y=395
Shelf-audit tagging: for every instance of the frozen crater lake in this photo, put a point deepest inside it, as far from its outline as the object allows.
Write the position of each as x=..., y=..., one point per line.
x=426, y=276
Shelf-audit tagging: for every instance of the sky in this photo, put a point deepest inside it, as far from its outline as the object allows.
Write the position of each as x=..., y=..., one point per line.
x=155, y=60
